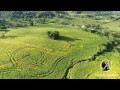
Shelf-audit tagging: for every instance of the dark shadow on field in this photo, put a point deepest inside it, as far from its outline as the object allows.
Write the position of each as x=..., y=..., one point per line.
x=5, y=37
x=4, y=30
x=64, y=38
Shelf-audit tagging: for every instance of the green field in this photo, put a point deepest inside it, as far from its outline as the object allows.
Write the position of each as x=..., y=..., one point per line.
x=92, y=70
x=31, y=54
x=26, y=51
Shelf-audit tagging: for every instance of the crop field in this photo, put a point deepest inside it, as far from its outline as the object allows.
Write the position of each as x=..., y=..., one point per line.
x=92, y=70
x=85, y=45
x=31, y=54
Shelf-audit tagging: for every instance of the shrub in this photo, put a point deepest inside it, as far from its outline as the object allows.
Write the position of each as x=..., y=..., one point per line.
x=3, y=27
x=117, y=35
x=91, y=28
x=97, y=18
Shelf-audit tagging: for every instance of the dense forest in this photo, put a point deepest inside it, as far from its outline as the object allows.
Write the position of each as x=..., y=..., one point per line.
x=39, y=14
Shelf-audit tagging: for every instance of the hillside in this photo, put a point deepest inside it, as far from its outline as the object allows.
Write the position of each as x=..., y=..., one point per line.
x=31, y=54
x=86, y=39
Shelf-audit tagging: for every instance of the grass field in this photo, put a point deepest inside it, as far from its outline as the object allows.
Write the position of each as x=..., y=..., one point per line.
x=93, y=70
x=29, y=53
x=26, y=52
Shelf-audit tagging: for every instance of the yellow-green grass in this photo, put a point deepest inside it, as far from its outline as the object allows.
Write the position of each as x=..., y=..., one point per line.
x=112, y=26
x=31, y=54
x=93, y=69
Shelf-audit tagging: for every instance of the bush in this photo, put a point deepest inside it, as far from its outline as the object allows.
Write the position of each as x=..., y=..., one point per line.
x=97, y=18
x=53, y=35
x=3, y=27
x=117, y=35
x=31, y=23
x=91, y=28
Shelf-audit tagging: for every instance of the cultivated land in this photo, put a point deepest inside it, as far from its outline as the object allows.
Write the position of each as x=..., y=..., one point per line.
x=28, y=52
x=31, y=54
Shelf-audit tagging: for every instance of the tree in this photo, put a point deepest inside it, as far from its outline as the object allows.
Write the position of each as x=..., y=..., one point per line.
x=43, y=20
x=56, y=35
x=31, y=23
x=3, y=27
x=91, y=28
x=53, y=35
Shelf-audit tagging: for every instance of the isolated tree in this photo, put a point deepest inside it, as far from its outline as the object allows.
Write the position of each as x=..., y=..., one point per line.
x=50, y=34
x=53, y=35
x=56, y=34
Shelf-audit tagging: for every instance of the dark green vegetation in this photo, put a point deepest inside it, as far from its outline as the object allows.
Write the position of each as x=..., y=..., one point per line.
x=53, y=35
x=59, y=44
